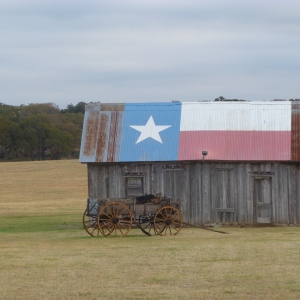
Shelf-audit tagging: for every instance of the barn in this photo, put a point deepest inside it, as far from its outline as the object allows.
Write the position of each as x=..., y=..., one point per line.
x=227, y=162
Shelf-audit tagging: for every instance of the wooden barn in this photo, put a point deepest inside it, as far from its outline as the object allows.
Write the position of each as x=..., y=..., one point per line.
x=226, y=162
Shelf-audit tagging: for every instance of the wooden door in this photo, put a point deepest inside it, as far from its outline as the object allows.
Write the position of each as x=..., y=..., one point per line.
x=262, y=199
x=223, y=195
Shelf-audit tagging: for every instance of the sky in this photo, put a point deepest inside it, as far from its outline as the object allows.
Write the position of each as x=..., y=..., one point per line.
x=65, y=52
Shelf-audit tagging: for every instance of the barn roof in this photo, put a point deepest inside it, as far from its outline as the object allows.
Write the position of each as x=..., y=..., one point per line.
x=181, y=131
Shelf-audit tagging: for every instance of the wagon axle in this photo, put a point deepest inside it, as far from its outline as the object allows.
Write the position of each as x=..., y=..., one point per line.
x=168, y=222
x=115, y=220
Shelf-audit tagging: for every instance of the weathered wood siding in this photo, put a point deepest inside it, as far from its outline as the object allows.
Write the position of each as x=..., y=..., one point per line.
x=204, y=187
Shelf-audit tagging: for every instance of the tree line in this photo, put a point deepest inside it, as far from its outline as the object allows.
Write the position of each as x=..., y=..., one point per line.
x=40, y=131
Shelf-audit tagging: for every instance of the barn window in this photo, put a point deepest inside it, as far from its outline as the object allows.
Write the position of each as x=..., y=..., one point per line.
x=134, y=186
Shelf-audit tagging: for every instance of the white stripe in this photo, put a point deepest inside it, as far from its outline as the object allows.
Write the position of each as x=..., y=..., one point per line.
x=235, y=116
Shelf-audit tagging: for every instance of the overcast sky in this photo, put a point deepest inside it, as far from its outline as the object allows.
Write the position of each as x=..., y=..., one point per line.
x=66, y=52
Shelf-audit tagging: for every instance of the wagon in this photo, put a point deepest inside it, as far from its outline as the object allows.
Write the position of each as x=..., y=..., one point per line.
x=153, y=214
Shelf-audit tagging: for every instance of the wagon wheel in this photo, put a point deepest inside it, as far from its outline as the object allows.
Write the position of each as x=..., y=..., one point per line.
x=168, y=221
x=114, y=217
x=90, y=224
x=147, y=227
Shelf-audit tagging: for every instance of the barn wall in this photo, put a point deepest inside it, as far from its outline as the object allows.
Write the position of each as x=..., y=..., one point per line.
x=204, y=187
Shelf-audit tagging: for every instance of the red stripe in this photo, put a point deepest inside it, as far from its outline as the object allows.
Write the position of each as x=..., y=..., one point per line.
x=235, y=145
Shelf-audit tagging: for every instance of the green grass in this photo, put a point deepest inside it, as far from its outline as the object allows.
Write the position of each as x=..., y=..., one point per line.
x=46, y=254
x=27, y=224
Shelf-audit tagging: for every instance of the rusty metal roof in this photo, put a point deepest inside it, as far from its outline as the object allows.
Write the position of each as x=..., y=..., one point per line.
x=234, y=131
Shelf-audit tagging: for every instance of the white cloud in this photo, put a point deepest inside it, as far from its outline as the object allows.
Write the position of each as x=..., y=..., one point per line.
x=124, y=51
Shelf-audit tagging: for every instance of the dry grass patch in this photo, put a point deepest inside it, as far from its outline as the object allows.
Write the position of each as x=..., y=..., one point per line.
x=45, y=253
x=42, y=188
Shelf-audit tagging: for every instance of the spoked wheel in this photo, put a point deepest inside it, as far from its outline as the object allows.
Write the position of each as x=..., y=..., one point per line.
x=168, y=221
x=90, y=224
x=146, y=225
x=115, y=217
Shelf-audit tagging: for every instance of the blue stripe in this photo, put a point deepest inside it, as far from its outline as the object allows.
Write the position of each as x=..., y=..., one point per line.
x=149, y=149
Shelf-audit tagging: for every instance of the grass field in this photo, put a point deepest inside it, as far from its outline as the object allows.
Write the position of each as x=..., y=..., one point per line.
x=46, y=254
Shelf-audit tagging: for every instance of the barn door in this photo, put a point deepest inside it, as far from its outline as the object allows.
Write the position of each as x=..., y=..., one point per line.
x=223, y=195
x=262, y=197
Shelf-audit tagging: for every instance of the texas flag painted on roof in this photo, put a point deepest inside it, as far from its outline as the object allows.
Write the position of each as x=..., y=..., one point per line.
x=233, y=131
x=150, y=132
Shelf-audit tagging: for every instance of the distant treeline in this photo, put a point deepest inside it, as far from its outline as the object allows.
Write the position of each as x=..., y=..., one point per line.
x=40, y=131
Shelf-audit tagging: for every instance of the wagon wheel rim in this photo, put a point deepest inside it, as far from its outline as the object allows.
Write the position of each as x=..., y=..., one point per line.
x=90, y=224
x=168, y=221
x=115, y=218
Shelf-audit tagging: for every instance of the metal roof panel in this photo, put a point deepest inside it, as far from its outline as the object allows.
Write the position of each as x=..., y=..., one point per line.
x=181, y=131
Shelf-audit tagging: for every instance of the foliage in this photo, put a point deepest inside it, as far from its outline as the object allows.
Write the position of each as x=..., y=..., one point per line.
x=9, y=135
x=34, y=109
x=221, y=98
x=40, y=131
x=78, y=108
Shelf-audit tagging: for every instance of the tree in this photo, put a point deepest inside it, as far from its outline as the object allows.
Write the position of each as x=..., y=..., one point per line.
x=40, y=131
x=49, y=109
x=72, y=123
x=78, y=108
x=61, y=141
x=11, y=112
x=41, y=136
x=9, y=136
x=221, y=98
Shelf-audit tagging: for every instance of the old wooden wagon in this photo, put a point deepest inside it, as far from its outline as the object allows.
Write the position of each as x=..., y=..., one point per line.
x=153, y=214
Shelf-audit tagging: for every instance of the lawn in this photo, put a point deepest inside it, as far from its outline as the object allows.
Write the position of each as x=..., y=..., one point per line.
x=46, y=254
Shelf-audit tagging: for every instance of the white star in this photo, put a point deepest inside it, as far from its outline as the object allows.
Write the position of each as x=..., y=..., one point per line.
x=150, y=130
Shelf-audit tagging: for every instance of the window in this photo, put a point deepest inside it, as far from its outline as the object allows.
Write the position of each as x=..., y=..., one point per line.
x=134, y=186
